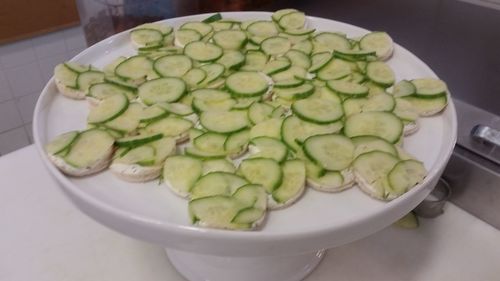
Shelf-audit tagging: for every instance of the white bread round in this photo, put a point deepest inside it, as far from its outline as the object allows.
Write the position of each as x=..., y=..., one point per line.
x=96, y=167
x=432, y=112
x=349, y=181
x=69, y=92
x=370, y=189
x=254, y=225
x=410, y=128
x=273, y=205
x=134, y=172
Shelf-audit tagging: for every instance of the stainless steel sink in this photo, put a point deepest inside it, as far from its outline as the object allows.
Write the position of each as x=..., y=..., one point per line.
x=474, y=168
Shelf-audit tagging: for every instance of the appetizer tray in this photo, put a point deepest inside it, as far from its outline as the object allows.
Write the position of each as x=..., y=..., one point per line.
x=151, y=212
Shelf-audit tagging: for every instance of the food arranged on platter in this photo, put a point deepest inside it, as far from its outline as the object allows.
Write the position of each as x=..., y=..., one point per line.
x=240, y=117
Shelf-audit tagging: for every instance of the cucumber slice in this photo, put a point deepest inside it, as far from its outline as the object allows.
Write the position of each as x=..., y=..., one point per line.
x=319, y=60
x=194, y=77
x=305, y=46
x=210, y=142
x=264, y=171
x=254, y=61
x=216, y=211
x=382, y=124
x=291, y=83
x=138, y=140
x=61, y=143
x=293, y=184
x=334, y=69
x=202, y=51
x=210, y=95
x=245, y=103
x=317, y=110
x=218, y=165
x=405, y=110
x=230, y=39
x=128, y=121
x=264, y=29
x=429, y=87
x=213, y=18
x=267, y=128
x=164, y=147
x=276, y=66
x=378, y=42
x=259, y=112
x=232, y=60
x=136, y=67
x=291, y=73
x=170, y=127
x=299, y=58
x=217, y=183
x=76, y=67
x=65, y=75
x=180, y=172
x=366, y=144
x=379, y=102
x=90, y=147
x=143, y=156
x=409, y=221
x=173, y=65
x=380, y=73
x=186, y=36
x=103, y=90
x=280, y=13
x=108, y=109
x=333, y=41
x=427, y=106
x=293, y=20
x=266, y=147
x=275, y=46
x=405, y=175
x=371, y=170
x=202, y=28
x=295, y=131
x=163, y=28
x=145, y=36
x=353, y=106
x=246, y=84
x=236, y=143
x=167, y=89
x=248, y=215
x=301, y=92
x=177, y=108
x=204, y=155
x=224, y=122
x=200, y=105
x=354, y=55
x=346, y=88
x=332, y=152
x=129, y=85
x=404, y=88
x=89, y=78
x=213, y=70
x=251, y=195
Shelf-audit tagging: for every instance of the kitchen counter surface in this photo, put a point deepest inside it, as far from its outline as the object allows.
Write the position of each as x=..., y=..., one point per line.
x=44, y=237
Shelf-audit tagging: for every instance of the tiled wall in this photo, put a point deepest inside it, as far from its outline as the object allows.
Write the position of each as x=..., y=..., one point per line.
x=25, y=67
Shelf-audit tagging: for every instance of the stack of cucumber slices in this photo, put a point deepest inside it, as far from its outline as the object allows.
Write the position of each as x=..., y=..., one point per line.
x=239, y=117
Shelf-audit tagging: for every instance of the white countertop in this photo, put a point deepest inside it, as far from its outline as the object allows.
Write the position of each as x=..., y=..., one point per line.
x=44, y=237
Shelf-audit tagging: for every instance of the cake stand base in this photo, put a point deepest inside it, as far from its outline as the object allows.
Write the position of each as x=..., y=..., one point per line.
x=196, y=267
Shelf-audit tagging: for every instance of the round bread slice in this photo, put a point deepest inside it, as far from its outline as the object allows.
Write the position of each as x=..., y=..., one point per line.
x=69, y=92
x=134, y=172
x=67, y=169
x=410, y=128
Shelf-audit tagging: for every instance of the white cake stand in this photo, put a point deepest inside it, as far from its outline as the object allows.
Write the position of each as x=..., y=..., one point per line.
x=291, y=243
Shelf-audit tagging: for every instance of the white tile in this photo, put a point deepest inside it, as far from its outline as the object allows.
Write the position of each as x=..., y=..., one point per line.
x=13, y=140
x=49, y=45
x=73, y=53
x=47, y=65
x=26, y=105
x=75, y=38
x=5, y=92
x=9, y=116
x=25, y=79
x=16, y=54
x=29, y=131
